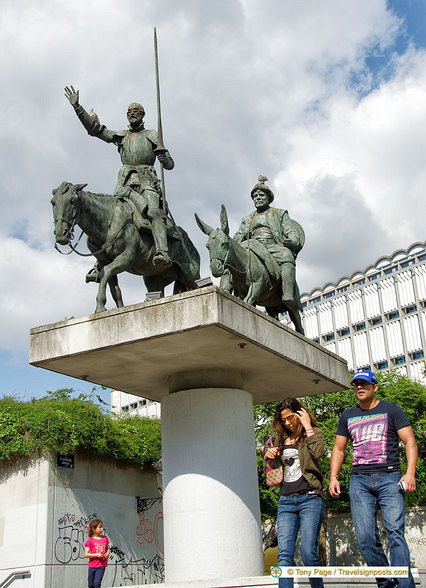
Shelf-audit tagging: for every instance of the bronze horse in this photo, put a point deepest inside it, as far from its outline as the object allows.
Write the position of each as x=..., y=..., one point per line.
x=243, y=271
x=118, y=245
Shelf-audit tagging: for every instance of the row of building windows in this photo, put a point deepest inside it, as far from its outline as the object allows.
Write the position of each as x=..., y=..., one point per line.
x=380, y=321
x=396, y=361
x=374, y=321
x=135, y=405
x=385, y=270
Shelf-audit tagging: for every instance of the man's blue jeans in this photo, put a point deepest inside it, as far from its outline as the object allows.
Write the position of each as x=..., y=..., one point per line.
x=307, y=513
x=367, y=492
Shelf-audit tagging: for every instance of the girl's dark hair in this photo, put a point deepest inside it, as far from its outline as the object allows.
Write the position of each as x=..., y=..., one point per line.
x=92, y=526
x=294, y=405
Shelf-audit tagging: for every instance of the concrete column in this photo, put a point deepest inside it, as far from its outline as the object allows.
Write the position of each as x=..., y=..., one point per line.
x=211, y=499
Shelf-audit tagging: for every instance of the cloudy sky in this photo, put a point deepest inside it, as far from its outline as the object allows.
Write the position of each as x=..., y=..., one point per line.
x=327, y=99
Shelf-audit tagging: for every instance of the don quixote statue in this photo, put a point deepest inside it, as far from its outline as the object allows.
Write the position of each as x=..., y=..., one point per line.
x=131, y=230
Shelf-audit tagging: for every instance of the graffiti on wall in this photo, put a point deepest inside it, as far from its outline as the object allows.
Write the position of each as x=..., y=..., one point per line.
x=417, y=540
x=151, y=531
x=124, y=568
x=130, y=571
x=69, y=545
x=143, y=504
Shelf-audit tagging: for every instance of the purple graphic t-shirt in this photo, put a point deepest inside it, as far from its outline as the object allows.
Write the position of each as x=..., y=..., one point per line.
x=374, y=436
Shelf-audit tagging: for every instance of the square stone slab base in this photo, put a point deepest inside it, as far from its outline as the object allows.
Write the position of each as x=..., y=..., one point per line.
x=198, y=339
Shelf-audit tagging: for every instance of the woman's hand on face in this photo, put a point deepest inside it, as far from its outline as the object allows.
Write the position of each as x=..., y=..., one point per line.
x=272, y=453
x=304, y=418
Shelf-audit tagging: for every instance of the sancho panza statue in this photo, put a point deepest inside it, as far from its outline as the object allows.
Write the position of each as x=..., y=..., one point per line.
x=259, y=263
x=137, y=178
x=280, y=235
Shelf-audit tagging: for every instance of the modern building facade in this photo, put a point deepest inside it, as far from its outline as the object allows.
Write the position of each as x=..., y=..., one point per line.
x=128, y=405
x=375, y=319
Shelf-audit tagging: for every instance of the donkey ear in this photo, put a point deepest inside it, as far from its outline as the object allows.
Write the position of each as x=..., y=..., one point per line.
x=79, y=187
x=203, y=226
x=224, y=225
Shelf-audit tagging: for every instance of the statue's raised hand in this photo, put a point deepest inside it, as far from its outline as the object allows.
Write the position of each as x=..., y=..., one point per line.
x=72, y=95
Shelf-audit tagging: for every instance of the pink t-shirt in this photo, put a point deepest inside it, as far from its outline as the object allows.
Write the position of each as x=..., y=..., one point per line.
x=97, y=546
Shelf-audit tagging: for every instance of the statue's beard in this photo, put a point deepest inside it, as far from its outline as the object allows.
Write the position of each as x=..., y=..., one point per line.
x=135, y=125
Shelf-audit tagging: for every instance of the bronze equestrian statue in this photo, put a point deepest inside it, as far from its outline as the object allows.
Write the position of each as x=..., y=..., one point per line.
x=119, y=245
x=132, y=230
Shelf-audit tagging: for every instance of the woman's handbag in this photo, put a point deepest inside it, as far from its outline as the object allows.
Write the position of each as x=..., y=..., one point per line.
x=274, y=471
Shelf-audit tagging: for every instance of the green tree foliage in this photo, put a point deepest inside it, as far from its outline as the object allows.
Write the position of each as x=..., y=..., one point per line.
x=62, y=423
x=394, y=387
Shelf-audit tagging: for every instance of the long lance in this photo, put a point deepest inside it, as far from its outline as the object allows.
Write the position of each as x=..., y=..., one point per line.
x=160, y=145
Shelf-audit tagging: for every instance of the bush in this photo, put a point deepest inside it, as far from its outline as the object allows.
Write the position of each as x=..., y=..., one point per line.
x=62, y=423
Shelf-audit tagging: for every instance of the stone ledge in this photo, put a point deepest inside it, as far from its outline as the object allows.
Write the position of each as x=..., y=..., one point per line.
x=197, y=339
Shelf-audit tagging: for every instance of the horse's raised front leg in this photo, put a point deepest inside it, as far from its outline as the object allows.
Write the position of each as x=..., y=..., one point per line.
x=115, y=291
x=120, y=263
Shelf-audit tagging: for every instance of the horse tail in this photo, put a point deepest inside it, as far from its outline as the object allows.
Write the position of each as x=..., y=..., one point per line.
x=191, y=265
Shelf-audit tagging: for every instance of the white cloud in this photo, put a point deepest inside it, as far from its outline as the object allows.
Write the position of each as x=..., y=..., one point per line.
x=247, y=87
x=40, y=287
x=369, y=155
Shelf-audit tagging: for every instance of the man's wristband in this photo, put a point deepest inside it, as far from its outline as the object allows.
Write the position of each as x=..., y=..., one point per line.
x=333, y=476
x=310, y=430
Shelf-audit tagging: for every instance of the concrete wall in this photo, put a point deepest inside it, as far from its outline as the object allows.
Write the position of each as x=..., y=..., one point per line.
x=44, y=511
x=342, y=548
x=23, y=519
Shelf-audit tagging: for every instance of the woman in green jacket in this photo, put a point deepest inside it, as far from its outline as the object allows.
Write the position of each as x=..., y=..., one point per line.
x=301, y=505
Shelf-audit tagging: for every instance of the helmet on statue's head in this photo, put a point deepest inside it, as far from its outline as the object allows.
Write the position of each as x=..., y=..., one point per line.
x=263, y=187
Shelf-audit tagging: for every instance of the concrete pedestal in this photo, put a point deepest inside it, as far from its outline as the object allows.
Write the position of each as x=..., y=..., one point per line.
x=205, y=355
x=210, y=501
x=149, y=349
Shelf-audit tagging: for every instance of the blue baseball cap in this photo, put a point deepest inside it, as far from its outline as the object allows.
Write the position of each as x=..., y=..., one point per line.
x=366, y=375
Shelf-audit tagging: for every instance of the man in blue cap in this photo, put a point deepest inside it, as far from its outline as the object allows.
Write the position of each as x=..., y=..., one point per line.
x=375, y=428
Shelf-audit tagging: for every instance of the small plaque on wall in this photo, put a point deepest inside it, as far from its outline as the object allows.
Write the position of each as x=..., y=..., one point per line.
x=65, y=461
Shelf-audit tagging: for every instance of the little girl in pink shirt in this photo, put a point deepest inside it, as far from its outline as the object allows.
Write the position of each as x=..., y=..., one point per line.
x=97, y=550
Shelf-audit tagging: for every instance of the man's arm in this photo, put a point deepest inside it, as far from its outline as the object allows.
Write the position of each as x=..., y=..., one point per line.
x=407, y=437
x=241, y=234
x=288, y=233
x=165, y=159
x=162, y=154
x=89, y=121
x=291, y=236
x=336, y=461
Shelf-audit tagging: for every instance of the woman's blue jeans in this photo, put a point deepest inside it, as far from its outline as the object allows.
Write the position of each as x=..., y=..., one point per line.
x=307, y=513
x=367, y=492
